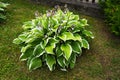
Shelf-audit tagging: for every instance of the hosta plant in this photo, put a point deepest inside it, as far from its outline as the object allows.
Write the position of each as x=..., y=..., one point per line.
x=53, y=39
x=2, y=10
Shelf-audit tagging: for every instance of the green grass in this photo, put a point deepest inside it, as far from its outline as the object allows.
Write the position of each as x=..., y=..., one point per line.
x=101, y=62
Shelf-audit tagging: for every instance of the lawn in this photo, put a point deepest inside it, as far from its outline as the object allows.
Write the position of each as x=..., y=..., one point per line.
x=101, y=62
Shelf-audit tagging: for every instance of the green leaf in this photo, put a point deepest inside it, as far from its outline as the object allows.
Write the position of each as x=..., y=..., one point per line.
x=1, y=9
x=77, y=37
x=88, y=33
x=26, y=54
x=30, y=40
x=35, y=63
x=55, y=21
x=74, y=17
x=60, y=61
x=50, y=46
x=55, y=28
x=85, y=43
x=2, y=16
x=45, y=41
x=66, y=36
x=58, y=51
x=66, y=62
x=23, y=37
x=3, y=5
x=76, y=30
x=69, y=35
x=45, y=22
x=67, y=49
x=17, y=41
x=83, y=22
x=50, y=61
x=62, y=36
x=29, y=59
x=72, y=22
x=38, y=51
x=49, y=49
x=38, y=32
x=23, y=49
x=76, y=47
x=72, y=61
x=53, y=41
x=28, y=25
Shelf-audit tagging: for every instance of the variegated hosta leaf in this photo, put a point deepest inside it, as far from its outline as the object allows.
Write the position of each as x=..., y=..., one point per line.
x=85, y=44
x=35, y=63
x=76, y=47
x=39, y=50
x=50, y=61
x=77, y=37
x=73, y=60
x=49, y=49
x=69, y=36
x=76, y=30
x=74, y=17
x=66, y=36
x=2, y=17
x=1, y=9
x=28, y=25
x=72, y=23
x=60, y=61
x=23, y=37
x=58, y=15
x=67, y=49
x=23, y=49
x=58, y=51
x=26, y=54
x=45, y=41
x=53, y=41
x=66, y=62
x=55, y=21
x=62, y=36
x=34, y=35
x=17, y=41
x=88, y=33
x=38, y=32
x=30, y=39
x=64, y=22
x=3, y=5
x=55, y=28
x=83, y=22
x=44, y=22
x=50, y=46
x=29, y=59
x=37, y=21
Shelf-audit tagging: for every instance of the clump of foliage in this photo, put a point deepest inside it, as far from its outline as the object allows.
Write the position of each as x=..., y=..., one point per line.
x=54, y=38
x=2, y=11
x=112, y=14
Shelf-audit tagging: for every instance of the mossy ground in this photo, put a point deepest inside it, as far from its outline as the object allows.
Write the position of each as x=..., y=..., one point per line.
x=101, y=62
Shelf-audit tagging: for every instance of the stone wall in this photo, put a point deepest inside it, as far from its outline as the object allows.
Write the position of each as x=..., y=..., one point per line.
x=85, y=3
x=87, y=7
